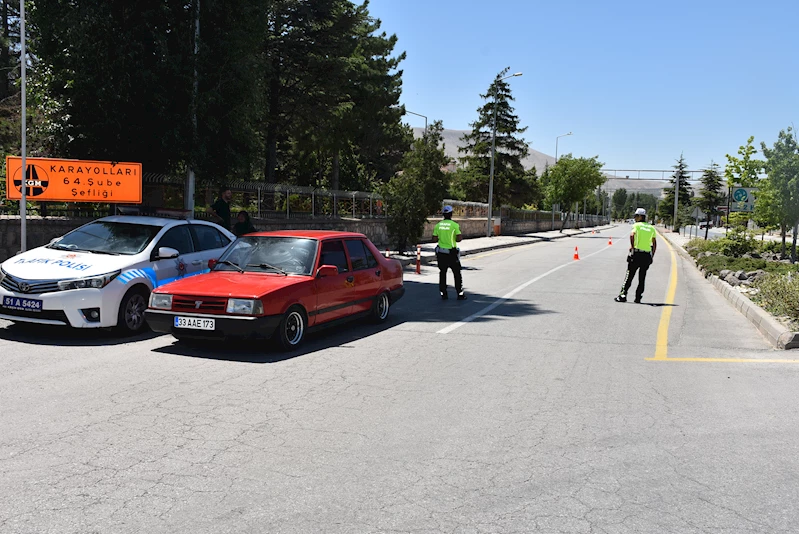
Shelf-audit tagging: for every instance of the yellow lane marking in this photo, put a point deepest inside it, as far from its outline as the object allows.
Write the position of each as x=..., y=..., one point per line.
x=662, y=344
x=662, y=347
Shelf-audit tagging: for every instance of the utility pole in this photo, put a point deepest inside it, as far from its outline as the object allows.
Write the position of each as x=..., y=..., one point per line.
x=676, y=198
x=188, y=201
x=23, y=203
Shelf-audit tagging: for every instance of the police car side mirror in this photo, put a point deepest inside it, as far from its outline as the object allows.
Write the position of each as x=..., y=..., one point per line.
x=166, y=253
x=55, y=240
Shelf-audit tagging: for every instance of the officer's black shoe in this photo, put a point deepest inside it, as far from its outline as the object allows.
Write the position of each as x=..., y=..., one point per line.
x=444, y=296
x=620, y=299
x=461, y=297
x=637, y=300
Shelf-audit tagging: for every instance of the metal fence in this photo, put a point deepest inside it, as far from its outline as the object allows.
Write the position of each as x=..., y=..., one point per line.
x=516, y=214
x=262, y=200
x=466, y=210
x=265, y=200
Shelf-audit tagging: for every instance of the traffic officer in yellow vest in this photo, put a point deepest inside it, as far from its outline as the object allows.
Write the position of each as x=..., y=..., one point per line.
x=643, y=244
x=448, y=233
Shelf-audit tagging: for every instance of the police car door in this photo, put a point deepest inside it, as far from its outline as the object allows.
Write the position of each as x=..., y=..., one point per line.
x=209, y=243
x=178, y=238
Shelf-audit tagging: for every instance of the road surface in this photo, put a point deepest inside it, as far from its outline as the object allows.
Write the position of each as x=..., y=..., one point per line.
x=538, y=405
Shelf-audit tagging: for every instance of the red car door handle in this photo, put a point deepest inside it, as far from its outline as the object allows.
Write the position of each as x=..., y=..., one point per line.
x=350, y=278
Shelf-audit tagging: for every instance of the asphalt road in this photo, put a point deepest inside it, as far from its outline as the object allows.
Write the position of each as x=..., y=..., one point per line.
x=538, y=405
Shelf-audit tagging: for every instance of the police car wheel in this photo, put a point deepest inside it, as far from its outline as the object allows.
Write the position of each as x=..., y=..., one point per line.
x=291, y=330
x=380, y=308
x=131, y=311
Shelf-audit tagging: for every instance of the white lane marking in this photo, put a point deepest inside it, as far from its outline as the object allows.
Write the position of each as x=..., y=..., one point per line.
x=502, y=299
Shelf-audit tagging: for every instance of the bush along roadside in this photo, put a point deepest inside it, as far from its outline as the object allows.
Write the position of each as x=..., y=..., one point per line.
x=754, y=268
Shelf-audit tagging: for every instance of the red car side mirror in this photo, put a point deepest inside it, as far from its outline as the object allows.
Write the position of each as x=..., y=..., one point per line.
x=212, y=263
x=327, y=270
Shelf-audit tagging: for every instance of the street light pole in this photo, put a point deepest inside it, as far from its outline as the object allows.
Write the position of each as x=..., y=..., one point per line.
x=419, y=115
x=556, y=145
x=493, y=151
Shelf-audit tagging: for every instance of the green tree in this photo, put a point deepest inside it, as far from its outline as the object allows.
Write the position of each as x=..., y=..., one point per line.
x=619, y=201
x=113, y=79
x=711, y=194
x=745, y=170
x=780, y=190
x=666, y=208
x=331, y=89
x=9, y=53
x=473, y=181
x=571, y=180
x=418, y=191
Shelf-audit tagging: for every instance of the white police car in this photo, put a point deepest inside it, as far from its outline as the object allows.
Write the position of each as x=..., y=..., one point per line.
x=101, y=274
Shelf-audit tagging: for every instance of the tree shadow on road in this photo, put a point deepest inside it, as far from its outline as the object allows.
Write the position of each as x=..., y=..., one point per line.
x=421, y=304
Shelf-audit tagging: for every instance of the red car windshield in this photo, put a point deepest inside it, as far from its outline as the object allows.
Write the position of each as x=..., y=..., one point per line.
x=290, y=255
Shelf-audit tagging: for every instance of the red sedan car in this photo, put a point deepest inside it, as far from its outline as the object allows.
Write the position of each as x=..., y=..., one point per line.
x=280, y=284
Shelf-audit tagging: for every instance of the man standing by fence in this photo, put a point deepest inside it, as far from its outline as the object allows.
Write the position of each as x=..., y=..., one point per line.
x=448, y=233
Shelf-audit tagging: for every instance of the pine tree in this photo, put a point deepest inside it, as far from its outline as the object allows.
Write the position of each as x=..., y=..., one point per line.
x=666, y=209
x=473, y=180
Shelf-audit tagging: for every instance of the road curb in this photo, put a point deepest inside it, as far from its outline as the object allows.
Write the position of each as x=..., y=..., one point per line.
x=780, y=336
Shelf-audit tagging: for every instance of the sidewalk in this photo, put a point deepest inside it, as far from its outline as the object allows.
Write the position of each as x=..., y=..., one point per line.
x=476, y=245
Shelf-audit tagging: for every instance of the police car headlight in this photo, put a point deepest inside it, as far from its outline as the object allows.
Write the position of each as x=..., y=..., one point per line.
x=245, y=306
x=95, y=282
x=2, y=275
x=160, y=301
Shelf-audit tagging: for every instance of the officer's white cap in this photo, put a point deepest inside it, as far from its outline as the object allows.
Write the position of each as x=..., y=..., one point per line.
x=640, y=211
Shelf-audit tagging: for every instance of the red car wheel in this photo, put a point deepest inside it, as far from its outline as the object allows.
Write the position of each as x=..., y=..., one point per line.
x=291, y=331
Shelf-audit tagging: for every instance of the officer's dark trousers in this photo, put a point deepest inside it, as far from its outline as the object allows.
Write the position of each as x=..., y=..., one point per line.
x=449, y=261
x=639, y=263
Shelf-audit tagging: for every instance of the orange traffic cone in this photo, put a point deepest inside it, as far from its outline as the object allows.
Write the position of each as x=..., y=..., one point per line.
x=576, y=255
x=610, y=241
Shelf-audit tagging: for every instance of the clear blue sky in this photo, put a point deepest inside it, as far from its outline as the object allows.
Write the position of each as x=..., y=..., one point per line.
x=637, y=82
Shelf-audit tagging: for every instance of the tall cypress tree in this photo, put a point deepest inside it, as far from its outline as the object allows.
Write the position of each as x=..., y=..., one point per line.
x=666, y=209
x=711, y=194
x=472, y=181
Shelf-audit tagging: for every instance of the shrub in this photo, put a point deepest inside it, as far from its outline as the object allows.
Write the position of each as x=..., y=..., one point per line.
x=699, y=245
x=779, y=294
x=737, y=243
x=770, y=246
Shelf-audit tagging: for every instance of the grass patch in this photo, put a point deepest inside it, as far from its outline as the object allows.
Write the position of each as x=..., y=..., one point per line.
x=779, y=295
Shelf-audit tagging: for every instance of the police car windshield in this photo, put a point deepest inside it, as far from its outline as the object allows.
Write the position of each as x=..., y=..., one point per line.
x=104, y=237
x=269, y=254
